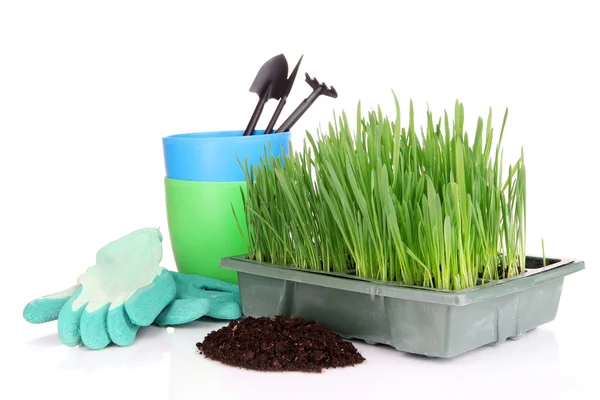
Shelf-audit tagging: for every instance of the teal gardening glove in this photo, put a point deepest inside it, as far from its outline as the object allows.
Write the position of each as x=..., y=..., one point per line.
x=198, y=296
x=124, y=290
x=127, y=289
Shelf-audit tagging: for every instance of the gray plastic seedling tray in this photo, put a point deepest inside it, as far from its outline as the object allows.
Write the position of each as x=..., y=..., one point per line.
x=430, y=322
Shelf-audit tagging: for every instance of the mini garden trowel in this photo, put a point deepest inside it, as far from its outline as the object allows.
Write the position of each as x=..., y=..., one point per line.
x=318, y=89
x=270, y=83
x=284, y=95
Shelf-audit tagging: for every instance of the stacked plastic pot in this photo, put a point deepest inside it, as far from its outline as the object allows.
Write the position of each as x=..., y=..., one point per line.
x=202, y=183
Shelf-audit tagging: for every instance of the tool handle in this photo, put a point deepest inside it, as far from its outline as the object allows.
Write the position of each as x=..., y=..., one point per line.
x=257, y=111
x=299, y=111
x=275, y=115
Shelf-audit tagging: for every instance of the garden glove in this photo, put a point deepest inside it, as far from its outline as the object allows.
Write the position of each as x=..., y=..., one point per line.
x=124, y=290
x=198, y=296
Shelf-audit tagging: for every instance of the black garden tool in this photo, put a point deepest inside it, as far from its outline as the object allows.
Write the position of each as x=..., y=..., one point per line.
x=270, y=83
x=284, y=95
x=318, y=89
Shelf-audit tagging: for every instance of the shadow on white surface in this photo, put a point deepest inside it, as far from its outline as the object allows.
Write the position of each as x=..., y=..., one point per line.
x=44, y=342
x=534, y=356
x=148, y=348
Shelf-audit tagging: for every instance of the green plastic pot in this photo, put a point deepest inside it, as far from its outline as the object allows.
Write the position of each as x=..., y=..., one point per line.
x=202, y=226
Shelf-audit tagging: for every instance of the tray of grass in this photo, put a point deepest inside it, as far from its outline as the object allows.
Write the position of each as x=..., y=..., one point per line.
x=380, y=236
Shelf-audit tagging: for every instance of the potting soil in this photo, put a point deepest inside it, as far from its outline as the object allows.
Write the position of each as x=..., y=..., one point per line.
x=279, y=344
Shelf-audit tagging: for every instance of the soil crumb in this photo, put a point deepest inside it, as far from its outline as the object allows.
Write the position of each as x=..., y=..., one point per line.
x=279, y=344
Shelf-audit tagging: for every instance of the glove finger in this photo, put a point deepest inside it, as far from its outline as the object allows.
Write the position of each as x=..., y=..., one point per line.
x=69, y=320
x=94, y=331
x=146, y=303
x=121, y=330
x=202, y=282
x=225, y=311
x=183, y=311
x=47, y=308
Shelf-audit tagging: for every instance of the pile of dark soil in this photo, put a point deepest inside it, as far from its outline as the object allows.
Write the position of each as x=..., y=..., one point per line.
x=279, y=344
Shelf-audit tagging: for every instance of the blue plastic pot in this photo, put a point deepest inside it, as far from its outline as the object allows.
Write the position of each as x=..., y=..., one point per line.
x=213, y=156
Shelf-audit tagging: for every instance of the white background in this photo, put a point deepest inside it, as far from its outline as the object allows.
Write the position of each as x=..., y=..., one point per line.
x=88, y=89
